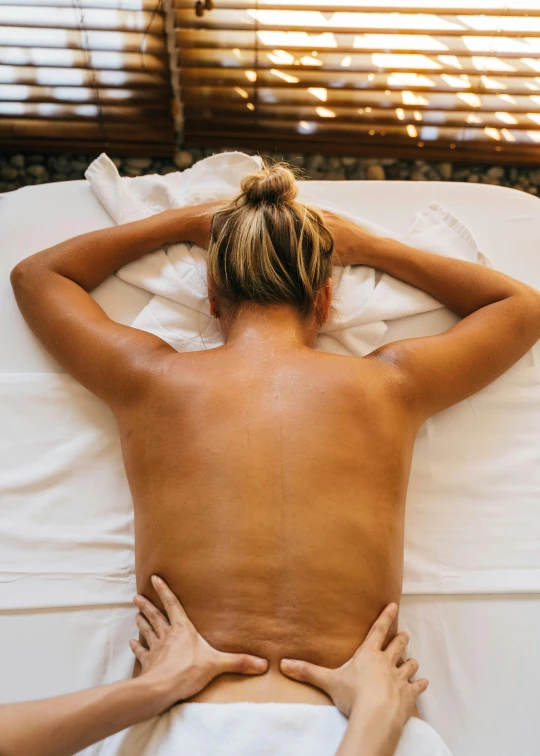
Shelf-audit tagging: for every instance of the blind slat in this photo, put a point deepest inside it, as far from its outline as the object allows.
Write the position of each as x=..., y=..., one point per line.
x=264, y=21
x=246, y=43
x=468, y=65
x=134, y=5
x=54, y=111
x=446, y=133
x=365, y=99
x=54, y=145
x=77, y=96
x=70, y=18
x=79, y=77
x=346, y=82
x=381, y=30
x=444, y=7
x=73, y=40
x=88, y=130
x=377, y=117
x=114, y=61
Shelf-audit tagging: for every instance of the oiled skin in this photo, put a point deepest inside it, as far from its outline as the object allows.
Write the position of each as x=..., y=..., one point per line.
x=269, y=493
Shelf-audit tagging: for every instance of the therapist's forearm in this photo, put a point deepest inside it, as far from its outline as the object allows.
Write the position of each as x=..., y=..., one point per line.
x=64, y=725
x=90, y=258
x=370, y=735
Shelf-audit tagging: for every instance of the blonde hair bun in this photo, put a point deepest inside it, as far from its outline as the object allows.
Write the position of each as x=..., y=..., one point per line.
x=274, y=184
x=265, y=247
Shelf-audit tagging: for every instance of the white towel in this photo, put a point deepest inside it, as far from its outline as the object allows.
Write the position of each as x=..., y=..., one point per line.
x=179, y=311
x=247, y=729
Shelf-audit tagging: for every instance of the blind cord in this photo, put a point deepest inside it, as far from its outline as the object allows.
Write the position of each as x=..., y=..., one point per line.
x=83, y=36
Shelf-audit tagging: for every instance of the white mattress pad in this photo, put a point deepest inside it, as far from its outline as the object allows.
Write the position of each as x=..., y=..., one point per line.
x=462, y=700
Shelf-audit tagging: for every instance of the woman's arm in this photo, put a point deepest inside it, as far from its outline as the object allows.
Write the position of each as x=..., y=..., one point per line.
x=373, y=689
x=88, y=259
x=177, y=664
x=52, y=291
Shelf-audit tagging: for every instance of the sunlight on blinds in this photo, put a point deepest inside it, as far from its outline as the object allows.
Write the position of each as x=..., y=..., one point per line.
x=85, y=75
x=412, y=75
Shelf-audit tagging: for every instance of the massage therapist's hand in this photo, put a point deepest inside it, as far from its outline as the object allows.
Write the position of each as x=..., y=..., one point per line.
x=179, y=660
x=373, y=688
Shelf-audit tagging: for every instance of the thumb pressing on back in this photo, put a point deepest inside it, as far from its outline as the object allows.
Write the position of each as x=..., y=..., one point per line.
x=305, y=672
x=242, y=664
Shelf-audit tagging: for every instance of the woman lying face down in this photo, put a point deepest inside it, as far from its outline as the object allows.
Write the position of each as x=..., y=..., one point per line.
x=268, y=479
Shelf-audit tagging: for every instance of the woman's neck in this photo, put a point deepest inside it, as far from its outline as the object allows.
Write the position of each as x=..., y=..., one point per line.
x=277, y=326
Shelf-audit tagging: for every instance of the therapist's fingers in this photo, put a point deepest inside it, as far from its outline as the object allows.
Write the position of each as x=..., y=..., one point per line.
x=397, y=646
x=307, y=672
x=408, y=669
x=419, y=686
x=152, y=614
x=379, y=630
x=241, y=664
x=138, y=649
x=145, y=629
x=174, y=609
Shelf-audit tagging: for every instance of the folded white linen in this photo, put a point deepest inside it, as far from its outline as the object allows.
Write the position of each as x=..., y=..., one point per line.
x=179, y=311
x=248, y=729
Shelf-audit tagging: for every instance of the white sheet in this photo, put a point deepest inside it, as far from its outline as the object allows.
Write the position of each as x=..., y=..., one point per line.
x=66, y=513
x=483, y=692
x=68, y=539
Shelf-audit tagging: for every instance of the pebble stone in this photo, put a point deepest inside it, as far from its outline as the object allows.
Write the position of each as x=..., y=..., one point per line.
x=445, y=171
x=335, y=176
x=19, y=169
x=183, y=159
x=17, y=161
x=132, y=171
x=37, y=171
x=135, y=162
x=375, y=172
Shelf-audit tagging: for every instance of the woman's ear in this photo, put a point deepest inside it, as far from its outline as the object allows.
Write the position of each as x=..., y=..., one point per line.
x=323, y=302
x=327, y=298
x=212, y=302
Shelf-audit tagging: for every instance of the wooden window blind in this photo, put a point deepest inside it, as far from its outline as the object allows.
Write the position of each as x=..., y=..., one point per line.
x=411, y=78
x=85, y=75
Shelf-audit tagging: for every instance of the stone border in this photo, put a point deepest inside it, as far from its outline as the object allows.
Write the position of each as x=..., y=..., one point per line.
x=21, y=170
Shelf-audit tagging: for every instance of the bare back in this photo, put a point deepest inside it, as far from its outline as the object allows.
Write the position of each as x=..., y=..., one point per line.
x=270, y=496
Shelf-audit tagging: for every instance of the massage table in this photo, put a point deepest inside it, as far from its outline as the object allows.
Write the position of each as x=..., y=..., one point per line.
x=479, y=650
